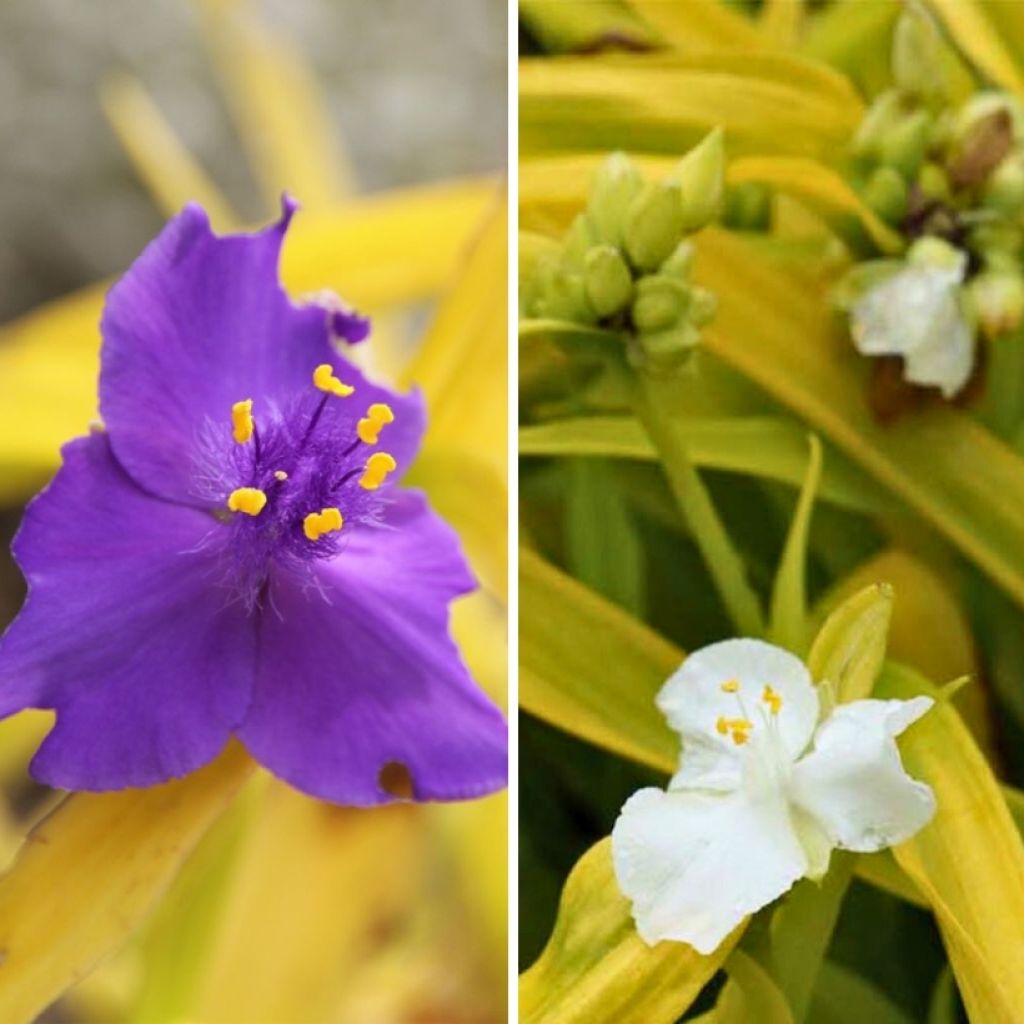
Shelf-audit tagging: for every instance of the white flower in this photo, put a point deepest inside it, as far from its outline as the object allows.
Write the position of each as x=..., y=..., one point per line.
x=763, y=792
x=916, y=314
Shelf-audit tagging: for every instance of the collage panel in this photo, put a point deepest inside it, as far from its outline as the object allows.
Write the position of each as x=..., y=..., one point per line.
x=253, y=483
x=771, y=414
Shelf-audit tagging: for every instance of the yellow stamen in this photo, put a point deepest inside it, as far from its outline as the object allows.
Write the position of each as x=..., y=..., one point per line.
x=241, y=421
x=327, y=520
x=740, y=736
x=378, y=465
x=722, y=725
x=369, y=427
x=280, y=474
x=249, y=500
x=730, y=686
x=772, y=698
x=324, y=379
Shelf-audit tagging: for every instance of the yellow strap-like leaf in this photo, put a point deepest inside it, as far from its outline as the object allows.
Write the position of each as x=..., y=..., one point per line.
x=462, y=363
x=969, y=862
x=698, y=23
x=970, y=27
x=595, y=969
x=820, y=187
x=91, y=871
x=793, y=348
x=167, y=169
x=780, y=22
x=658, y=106
x=282, y=121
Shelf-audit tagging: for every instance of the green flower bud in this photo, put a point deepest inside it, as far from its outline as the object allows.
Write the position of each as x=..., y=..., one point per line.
x=1004, y=190
x=999, y=245
x=608, y=281
x=565, y=298
x=918, y=54
x=616, y=184
x=578, y=241
x=539, y=258
x=934, y=252
x=703, y=306
x=654, y=225
x=678, y=265
x=997, y=298
x=668, y=350
x=886, y=193
x=905, y=144
x=883, y=115
x=701, y=176
x=661, y=302
x=981, y=106
x=933, y=182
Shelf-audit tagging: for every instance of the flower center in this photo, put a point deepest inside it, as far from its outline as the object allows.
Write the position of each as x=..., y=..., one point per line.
x=289, y=483
x=739, y=729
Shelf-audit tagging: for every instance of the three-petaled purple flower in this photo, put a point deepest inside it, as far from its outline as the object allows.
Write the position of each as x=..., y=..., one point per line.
x=230, y=554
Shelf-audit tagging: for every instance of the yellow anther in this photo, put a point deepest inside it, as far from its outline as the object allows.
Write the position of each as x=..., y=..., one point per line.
x=280, y=474
x=378, y=465
x=249, y=500
x=241, y=421
x=327, y=520
x=324, y=379
x=740, y=736
x=369, y=427
x=772, y=698
x=722, y=725
x=730, y=686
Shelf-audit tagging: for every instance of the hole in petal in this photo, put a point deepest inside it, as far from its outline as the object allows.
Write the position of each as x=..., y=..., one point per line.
x=394, y=779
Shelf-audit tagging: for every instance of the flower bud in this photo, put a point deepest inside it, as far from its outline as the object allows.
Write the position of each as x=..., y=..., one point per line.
x=565, y=298
x=703, y=306
x=608, y=281
x=679, y=264
x=615, y=185
x=933, y=182
x=578, y=241
x=934, y=252
x=701, y=176
x=1004, y=190
x=668, y=350
x=905, y=144
x=886, y=193
x=882, y=116
x=661, y=302
x=999, y=245
x=997, y=297
x=918, y=55
x=654, y=225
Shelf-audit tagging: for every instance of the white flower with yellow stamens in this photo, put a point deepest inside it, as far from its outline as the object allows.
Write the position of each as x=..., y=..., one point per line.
x=764, y=791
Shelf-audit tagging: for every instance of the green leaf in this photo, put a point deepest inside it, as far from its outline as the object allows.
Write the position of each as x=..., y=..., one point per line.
x=595, y=969
x=655, y=411
x=589, y=666
x=789, y=622
x=843, y=997
x=771, y=447
x=751, y=995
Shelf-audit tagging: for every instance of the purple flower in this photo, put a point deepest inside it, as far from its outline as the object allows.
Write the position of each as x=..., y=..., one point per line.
x=231, y=554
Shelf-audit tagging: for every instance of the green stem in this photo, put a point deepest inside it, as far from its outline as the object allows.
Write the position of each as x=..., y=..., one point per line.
x=721, y=558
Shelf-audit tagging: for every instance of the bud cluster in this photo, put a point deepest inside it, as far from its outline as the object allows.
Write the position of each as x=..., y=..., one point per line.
x=625, y=263
x=935, y=165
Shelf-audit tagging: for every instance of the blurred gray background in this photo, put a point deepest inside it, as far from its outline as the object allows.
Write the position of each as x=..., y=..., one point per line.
x=417, y=88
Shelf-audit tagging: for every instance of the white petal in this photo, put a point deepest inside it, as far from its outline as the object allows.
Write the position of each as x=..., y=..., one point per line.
x=693, y=701
x=853, y=782
x=695, y=864
x=898, y=316
x=945, y=361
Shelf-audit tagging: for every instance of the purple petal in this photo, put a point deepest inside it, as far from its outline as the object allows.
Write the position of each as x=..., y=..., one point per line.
x=198, y=323
x=359, y=672
x=348, y=326
x=123, y=632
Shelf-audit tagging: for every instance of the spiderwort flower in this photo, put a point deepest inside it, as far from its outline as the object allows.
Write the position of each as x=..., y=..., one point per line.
x=763, y=793
x=231, y=554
